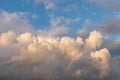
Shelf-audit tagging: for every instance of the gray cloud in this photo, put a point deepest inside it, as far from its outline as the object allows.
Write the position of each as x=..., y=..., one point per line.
x=111, y=26
x=113, y=46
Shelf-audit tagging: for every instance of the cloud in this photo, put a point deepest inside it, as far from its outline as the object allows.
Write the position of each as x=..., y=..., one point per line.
x=57, y=21
x=53, y=57
x=94, y=40
x=54, y=31
x=45, y=54
x=104, y=56
x=14, y=21
x=109, y=26
x=70, y=8
x=48, y=3
x=19, y=23
x=111, y=4
x=7, y=38
x=58, y=26
x=113, y=46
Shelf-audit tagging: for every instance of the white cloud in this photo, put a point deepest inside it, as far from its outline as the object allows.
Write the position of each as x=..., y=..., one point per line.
x=58, y=26
x=53, y=31
x=7, y=38
x=38, y=56
x=14, y=21
x=57, y=21
x=95, y=40
x=103, y=55
x=48, y=3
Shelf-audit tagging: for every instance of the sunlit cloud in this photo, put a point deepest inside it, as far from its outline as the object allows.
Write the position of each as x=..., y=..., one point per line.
x=51, y=53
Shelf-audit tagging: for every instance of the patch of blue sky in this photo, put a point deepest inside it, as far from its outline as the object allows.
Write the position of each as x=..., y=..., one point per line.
x=69, y=9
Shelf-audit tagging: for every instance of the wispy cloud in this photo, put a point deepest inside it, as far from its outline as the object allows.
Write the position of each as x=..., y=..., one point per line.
x=48, y=3
x=111, y=4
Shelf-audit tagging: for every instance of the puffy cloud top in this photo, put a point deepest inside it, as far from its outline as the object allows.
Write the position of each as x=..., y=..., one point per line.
x=39, y=57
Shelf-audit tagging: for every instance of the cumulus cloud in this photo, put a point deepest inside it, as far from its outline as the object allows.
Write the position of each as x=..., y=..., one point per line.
x=14, y=21
x=45, y=55
x=104, y=56
x=109, y=28
x=54, y=58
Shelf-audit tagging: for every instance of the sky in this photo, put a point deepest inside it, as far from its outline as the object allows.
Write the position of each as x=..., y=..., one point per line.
x=72, y=14
x=60, y=40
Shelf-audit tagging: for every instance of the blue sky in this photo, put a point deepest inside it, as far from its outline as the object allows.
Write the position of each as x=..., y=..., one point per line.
x=40, y=11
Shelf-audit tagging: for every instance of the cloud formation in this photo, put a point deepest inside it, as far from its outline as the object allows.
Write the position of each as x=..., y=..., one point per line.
x=28, y=54
x=109, y=28
x=54, y=58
